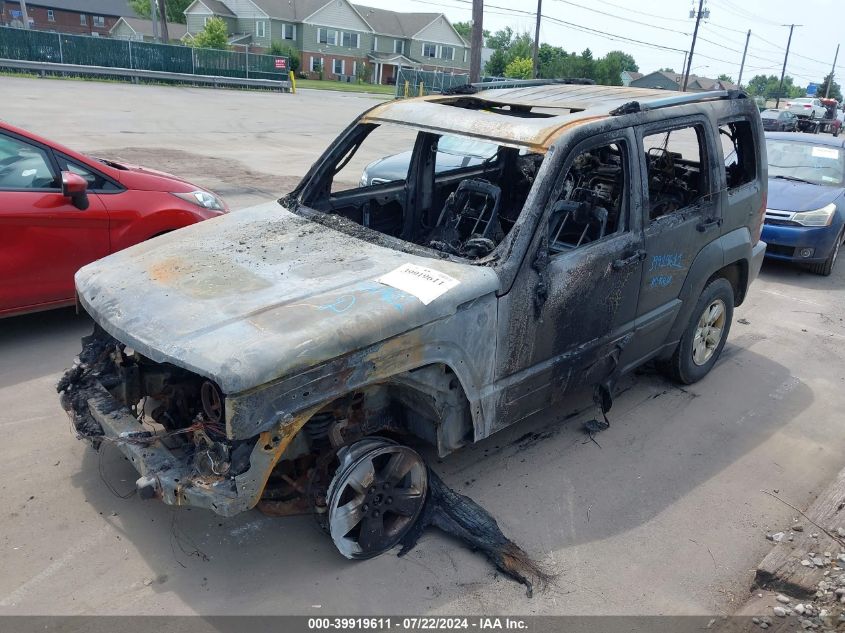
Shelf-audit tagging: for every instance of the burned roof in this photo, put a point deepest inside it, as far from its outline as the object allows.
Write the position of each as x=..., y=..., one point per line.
x=530, y=114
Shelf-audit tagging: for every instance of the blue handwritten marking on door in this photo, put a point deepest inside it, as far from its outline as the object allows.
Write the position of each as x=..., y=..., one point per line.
x=660, y=281
x=666, y=260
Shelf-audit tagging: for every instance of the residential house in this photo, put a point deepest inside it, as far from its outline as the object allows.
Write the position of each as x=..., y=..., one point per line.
x=85, y=17
x=628, y=76
x=675, y=81
x=336, y=38
x=141, y=30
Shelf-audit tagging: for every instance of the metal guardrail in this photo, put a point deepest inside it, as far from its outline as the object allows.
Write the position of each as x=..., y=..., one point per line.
x=134, y=73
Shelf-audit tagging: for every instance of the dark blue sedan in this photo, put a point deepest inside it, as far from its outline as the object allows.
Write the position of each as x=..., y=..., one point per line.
x=805, y=214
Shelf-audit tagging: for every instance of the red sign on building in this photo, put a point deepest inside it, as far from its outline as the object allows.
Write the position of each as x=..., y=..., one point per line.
x=281, y=63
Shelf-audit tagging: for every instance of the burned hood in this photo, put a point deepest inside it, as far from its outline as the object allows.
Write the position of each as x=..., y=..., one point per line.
x=262, y=293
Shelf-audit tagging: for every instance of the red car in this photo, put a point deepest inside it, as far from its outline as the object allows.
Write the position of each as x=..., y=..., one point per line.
x=60, y=210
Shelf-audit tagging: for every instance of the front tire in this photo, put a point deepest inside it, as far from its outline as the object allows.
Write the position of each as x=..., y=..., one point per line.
x=826, y=267
x=705, y=335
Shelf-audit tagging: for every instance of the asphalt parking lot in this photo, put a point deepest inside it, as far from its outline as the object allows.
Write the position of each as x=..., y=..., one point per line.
x=666, y=516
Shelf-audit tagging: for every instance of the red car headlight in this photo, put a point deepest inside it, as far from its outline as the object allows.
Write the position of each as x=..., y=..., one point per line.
x=202, y=199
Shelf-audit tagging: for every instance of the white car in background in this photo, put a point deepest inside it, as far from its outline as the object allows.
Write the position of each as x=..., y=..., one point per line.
x=807, y=106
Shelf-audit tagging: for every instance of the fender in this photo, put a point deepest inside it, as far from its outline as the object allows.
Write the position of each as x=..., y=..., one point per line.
x=452, y=341
x=730, y=248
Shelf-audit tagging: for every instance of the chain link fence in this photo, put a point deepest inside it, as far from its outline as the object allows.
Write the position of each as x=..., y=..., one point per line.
x=42, y=46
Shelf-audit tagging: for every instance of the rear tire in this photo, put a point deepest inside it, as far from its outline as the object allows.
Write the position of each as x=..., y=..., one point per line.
x=701, y=344
x=826, y=267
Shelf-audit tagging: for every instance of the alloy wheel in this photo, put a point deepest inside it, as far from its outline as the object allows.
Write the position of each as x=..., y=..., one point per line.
x=375, y=496
x=708, y=333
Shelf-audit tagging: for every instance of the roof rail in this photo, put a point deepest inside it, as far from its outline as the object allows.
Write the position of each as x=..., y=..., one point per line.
x=678, y=99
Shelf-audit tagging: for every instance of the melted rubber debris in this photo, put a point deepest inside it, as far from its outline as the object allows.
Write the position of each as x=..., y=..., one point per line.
x=460, y=516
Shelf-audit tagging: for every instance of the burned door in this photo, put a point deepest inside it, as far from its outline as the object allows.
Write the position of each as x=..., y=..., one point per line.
x=566, y=319
x=680, y=216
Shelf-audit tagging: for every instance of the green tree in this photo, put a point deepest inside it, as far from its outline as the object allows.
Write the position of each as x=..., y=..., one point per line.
x=724, y=77
x=464, y=29
x=175, y=9
x=768, y=87
x=666, y=70
x=520, y=68
x=608, y=69
x=835, y=90
x=282, y=49
x=501, y=39
x=214, y=35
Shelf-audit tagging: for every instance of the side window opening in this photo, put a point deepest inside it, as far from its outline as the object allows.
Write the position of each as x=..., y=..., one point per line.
x=738, y=148
x=591, y=202
x=466, y=199
x=95, y=181
x=25, y=166
x=674, y=160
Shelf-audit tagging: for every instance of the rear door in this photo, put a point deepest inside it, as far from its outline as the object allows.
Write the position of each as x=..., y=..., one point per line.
x=680, y=215
x=45, y=239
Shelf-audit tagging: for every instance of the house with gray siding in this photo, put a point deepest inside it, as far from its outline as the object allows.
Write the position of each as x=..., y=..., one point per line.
x=337, y=39
x=675, y=81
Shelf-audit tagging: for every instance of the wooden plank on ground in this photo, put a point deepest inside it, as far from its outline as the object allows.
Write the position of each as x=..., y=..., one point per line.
x=782, y=569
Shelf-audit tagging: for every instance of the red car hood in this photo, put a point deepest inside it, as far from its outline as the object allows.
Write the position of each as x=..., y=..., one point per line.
x=146, y=179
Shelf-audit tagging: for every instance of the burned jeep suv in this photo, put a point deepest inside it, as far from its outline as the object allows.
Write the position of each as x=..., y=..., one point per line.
x=285, y=355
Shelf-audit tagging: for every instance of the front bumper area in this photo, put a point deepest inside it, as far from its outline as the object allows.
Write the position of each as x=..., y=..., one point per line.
x=786, y=242
x=164, y=474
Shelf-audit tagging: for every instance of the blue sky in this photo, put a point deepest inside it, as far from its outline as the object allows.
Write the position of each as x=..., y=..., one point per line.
x=666, y=23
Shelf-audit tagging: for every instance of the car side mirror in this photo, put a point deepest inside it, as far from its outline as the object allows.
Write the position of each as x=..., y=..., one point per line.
x=75, y=187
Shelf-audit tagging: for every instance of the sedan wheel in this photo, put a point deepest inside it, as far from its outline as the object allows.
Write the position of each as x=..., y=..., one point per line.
x=708, y=334
x=375, y=497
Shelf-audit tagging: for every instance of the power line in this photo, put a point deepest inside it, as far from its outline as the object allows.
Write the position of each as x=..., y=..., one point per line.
x=619, y=17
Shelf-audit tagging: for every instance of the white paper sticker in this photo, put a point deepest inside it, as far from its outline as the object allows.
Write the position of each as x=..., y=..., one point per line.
x=426, y=284
x=826, y=152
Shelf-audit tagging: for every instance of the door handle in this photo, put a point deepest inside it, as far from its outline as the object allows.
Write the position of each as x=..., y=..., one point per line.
x=638, y=256
x=708, y=223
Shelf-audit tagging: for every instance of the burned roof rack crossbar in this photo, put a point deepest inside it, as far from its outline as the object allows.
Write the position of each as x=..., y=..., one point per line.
x=678, y=99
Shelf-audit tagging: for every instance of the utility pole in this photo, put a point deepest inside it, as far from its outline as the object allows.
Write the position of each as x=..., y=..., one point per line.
x=537, y=39
x=785, y=57
x=698, y=15
x=162, y=16
x=24, y=14
x=742, y=65
x=832, y=70
x=477, y=41
x=154, y=18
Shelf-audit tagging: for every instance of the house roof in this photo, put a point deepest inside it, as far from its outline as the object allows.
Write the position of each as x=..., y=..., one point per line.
x=394, y=22
x=695, y=81
x=118, y=8
x=632, y=74
x=218, y=8
x=145, y=27
x=290, y=10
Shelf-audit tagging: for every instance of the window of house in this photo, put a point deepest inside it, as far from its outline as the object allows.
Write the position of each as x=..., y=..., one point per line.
x=354, y=68
x=316, y=64
x=375, y=42
x=99, y=21
x=327, y=36
x=739, y=152
x=50, y=16
x=447, y=52
x=260, y=28
x=82, y=19
x=676, y=179
x=350, y=40
x=429, y=50
x=591, y=198
x=399, y=46
x=207, y=19
x=288, y=31
x=338, y=66
x=465, y=56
